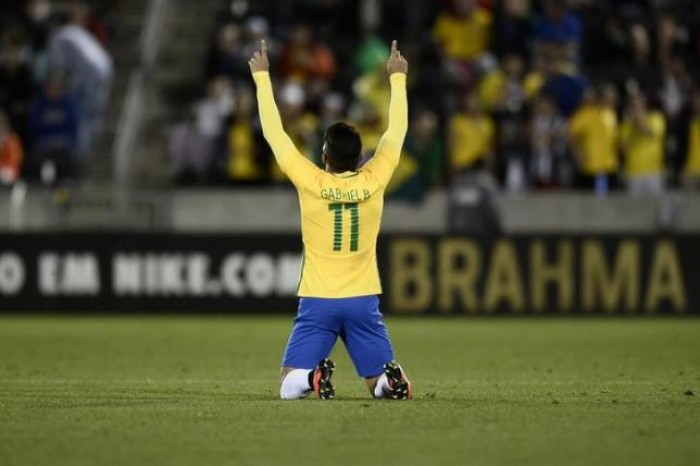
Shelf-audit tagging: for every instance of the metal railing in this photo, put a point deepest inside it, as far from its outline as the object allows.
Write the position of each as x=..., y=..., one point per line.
x=131, y=117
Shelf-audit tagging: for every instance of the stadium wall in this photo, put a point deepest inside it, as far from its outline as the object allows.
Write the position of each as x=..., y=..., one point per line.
x=206, y=211
x=203, y=211
x=627, y=275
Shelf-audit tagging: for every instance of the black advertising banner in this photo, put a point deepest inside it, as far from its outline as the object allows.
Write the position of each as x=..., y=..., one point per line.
x=520, y=275
x=108, y=272
x=544, y=275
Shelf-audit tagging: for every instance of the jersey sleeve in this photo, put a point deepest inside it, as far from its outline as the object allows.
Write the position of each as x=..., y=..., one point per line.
x=298, y=168
x=388, y=152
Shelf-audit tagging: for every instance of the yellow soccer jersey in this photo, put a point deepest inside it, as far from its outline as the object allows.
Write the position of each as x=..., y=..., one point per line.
x=692, y=164
x=340, y=213
x=595, y=131
x=644, y=153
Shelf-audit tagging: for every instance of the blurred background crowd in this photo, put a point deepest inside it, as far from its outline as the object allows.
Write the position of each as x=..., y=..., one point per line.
x=55, y=79
x=524, y=95
x=536, y=95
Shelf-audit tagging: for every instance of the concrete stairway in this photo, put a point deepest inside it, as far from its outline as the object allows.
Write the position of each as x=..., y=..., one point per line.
x=176, y=83
x=125, y=50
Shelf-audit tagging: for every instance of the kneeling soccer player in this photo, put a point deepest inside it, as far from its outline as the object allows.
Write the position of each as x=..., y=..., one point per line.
x=341, y=209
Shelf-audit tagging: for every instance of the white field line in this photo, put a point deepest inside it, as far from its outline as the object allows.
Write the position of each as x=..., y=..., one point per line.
x=225, y=381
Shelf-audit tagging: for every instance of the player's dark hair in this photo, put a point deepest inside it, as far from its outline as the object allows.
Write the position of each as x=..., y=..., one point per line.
x=343, y=147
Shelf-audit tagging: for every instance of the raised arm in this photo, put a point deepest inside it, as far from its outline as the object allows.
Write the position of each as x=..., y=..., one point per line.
x=388, y=152
x=288, y=157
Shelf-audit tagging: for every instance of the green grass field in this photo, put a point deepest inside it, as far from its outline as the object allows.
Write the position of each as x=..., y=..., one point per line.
x=179, y=391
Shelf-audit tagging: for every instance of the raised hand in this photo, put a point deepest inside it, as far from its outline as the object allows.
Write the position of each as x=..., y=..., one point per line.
x=259, y=61
x=397, y=63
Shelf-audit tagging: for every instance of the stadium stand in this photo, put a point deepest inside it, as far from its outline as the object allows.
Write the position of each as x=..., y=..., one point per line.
x=550, y=95
x=56, y=76
x=544, y=95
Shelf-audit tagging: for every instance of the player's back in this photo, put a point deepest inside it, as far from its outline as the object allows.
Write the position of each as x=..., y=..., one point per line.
x=340, y=213
x=341, y=217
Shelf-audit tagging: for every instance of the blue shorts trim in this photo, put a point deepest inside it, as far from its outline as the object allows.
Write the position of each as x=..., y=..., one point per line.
x=357, y=321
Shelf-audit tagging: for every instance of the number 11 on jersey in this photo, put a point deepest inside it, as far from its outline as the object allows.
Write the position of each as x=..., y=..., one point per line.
x=338, y=210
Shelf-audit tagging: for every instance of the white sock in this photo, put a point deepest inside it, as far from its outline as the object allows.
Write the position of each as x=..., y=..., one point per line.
x=295, y=385
x=382, y=387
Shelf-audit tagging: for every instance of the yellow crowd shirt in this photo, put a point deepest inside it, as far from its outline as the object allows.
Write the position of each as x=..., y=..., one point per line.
x=470, y=140
x=533, y=83
x=340, y=213
x=372, y=89
x=491, y=89
x=464, y=38
x=644, y=152
x=692, y=164
x=595, y=132
x=241, y=162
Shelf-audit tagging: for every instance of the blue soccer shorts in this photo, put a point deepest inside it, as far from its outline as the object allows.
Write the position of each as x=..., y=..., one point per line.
x=357, y=321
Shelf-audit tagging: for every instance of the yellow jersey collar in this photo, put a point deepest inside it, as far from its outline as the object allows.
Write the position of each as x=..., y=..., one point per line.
x=347, y=174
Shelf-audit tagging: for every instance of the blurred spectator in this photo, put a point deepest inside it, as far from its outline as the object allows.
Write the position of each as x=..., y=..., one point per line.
x=38, y=22
x=225, y=57
x=16, y=86
x=373, y=92
x=550, y=165
x=463, y=33
x=371, y=54
x=676, y=87
x=301, y=125
x=564, y=85
x=594, y=133
x=368, y=122
x=513, y=27
x=671, y=37
x=471, y=137
x=86, y=17
x=11, y=153
x=211, y=115
x=640, y=68
x=503, y=93
x=195, y=143
x=243, y=166
x=332, y=111
x=187, y=149
x=642, y=135
x=503, y=89
x=535, y=76
x=305, y=59
x=690, y=144
x=421, y=163
x=75, y=53
x=558, y=30
x=54, y=126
